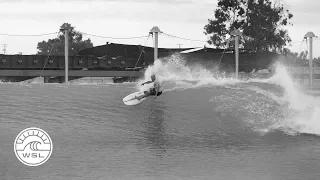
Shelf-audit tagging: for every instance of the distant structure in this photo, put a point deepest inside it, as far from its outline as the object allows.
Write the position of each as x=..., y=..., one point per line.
x=309, y=36
x=4, y=48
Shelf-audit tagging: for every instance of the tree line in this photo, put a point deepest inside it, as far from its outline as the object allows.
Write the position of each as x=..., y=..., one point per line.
x=300, y=59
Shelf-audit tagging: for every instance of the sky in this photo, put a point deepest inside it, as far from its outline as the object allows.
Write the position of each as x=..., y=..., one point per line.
x=126, y=18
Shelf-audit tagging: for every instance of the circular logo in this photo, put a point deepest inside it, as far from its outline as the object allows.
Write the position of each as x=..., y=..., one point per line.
x=33, y=146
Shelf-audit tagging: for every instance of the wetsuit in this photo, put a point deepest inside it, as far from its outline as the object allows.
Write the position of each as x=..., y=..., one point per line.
x=153, y=90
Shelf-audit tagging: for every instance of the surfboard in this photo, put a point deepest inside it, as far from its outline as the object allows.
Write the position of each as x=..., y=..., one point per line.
x=132, y=99
x=191, y=50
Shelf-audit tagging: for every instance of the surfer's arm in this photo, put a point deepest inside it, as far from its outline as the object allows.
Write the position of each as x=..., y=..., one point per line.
x=146, y=83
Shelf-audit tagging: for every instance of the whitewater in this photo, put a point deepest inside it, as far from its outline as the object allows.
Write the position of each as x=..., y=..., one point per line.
x=274, y=103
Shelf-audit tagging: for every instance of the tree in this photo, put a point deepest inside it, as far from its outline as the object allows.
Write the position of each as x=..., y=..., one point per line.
x=260, y=19
x=295, y=58
x=316, y=62
x=56, y=46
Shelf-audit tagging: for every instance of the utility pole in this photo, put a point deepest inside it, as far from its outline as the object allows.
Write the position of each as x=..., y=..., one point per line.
x=4, y=48
x=179, y=45
x=236, y=33
x=309, y=36
x=155, y=31
x=66, y=29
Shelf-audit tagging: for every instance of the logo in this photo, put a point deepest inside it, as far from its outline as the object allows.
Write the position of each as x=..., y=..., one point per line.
x=33, y=146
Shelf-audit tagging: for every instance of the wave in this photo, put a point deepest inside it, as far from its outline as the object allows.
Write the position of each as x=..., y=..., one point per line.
x=266, y=104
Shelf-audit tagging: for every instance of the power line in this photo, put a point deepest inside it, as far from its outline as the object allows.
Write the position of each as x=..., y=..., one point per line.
x=266, y=41
x=183, y=38
x=26, y=35
x=298, y=52
x=141, y=51
x=206, y=41
x=137, y=37
x=296, y=41
x=50, y=53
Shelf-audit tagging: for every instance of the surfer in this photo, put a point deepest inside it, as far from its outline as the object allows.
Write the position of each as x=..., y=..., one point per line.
x=155, y=91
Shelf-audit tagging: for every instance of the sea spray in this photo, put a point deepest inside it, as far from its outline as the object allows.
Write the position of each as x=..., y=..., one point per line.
x=296, y=112
x=304, y=116
x=175, y=70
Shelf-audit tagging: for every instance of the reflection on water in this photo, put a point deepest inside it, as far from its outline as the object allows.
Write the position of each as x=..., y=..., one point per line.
x=154, y=129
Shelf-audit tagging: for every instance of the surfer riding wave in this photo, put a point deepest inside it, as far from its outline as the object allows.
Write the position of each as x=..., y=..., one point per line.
x=155, y=90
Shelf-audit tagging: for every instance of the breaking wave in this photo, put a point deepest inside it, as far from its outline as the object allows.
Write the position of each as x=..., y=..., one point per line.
x=273, y=103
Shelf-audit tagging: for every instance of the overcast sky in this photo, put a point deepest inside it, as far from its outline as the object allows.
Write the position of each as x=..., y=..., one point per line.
x=126, y=18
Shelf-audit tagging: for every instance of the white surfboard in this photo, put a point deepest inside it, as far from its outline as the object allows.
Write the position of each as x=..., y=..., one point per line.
x=191, y=50
x=131, y=99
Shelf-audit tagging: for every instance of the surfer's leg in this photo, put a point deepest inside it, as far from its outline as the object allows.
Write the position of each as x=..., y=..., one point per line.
x=152, y=92
x=146, y=94
x=159, y=93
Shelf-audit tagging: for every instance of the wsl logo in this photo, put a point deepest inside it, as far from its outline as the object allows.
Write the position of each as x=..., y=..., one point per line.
x=33, y=146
